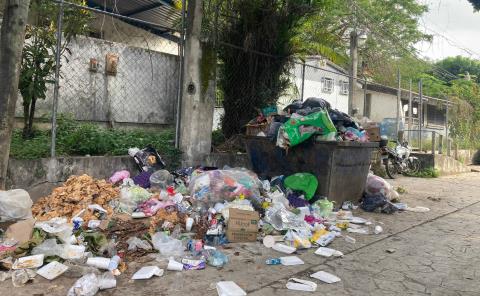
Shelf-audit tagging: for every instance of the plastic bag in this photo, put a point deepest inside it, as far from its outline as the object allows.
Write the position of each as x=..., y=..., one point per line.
x=282, y=219
x=58, y=227
x=119, y=176
x=167, y=245
x=217, y=259
x=219, y=185
x=15, y=204
x=323, y=207
x=377, y=185
x=161, y=179
x=298, y=130
x=87, y=285
x=305, y=182
x=50, y=248
x=131, y=196
x=134, y=243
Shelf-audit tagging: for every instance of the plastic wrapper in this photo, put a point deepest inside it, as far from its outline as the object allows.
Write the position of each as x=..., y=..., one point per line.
x=305, y=182
x=217, y=259
x=166, y=245
x=377, y=185
x=135, y=243
x=299, y=239
x=131, y=196
x=298, y=130
x=282, y=219
x=161, y=179
x=119, y=176
x=58, y=227
x=15, y=204
x=87, y=285
x=225, y=185
x=323, y=207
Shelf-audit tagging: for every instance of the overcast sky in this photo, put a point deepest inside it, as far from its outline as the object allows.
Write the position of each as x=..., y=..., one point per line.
x=455, y=20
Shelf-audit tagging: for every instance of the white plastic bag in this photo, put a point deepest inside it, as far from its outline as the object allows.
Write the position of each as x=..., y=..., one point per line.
x=15, y=204
x=135, y=242
x=377, y=185
x=166, y=245
x=58, y=227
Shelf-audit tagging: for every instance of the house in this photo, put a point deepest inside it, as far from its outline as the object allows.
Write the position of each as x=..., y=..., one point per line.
x=321, y=78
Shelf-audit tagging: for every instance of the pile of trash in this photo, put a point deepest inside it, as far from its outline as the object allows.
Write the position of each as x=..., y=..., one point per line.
x=300, y=121
x=93, y=229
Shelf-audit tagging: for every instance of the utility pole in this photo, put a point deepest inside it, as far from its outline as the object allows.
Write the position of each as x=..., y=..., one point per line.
x=353, y=69
x=399, y=94
x=410, y=110
x=198, y=95
x=12, y=36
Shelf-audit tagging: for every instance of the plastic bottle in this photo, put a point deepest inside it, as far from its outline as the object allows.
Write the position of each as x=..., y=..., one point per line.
x=273, y=261
x=325, y=239
x=114, y=262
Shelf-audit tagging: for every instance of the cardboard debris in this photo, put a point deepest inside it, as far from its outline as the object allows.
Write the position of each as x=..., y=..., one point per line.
x=76, y=194
x=20, y=231
x=242, y=226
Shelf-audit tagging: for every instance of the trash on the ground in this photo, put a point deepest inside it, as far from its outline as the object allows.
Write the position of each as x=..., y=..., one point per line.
x=328, y=252
x=378, y=186
x=74, y=196
x=167, y=245
x=99, y=262
x=147, y=159
x=114, y=262
x=283, y=248
x=193, y=264
x=326, y=239
x=358, y=220
x=20, y=231
x=305, y=182
x=22, y=276
x=229, y=288
x=378, y=229
x=52, y=270
x=291, y=260
x=33, y=261
x=87, y=285
x=417, y=209
x=325, y=277
x=242, y=226
x=390, y=251
x=107, y=281
x=5, y=275
x=135, y=243
x=273, y=261
x=323, y=207
x=350, y=239
x=301, y=285
x=217, y=259
x=358, y=230
x=15, y=204
x=119, y=176
x=174, y=265
x=147, y=272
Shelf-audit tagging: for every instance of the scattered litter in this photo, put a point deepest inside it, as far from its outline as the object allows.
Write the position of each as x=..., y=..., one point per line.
x=325, y=277
x=327, y=252
x=283, y=248
x=301, y=285
x=390, y=251
x=15, y=204
x=358, y=230
x=417, y=209
x=358, y=220
x=147, y=272
x=99, y=262
x=52, y=270
x=33, y=261
x=378, y=229
x=22, y=276
x=174, y=265
x=291, y=260
x=229, y=288
x=350, y=239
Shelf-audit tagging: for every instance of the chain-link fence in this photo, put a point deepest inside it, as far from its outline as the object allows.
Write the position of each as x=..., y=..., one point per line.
x=121, y=71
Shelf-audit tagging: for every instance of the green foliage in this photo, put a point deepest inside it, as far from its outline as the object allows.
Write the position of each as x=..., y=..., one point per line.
x=75, y=138
x=475, y=4
x=426, y=173
x=39, y=53
x=217, y=138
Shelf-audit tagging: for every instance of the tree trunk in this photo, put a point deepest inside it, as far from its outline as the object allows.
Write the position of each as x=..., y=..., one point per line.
x=12, y=36
x=31, y=117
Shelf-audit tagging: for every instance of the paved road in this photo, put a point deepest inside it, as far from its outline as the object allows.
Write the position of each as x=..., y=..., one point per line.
x=436, y=253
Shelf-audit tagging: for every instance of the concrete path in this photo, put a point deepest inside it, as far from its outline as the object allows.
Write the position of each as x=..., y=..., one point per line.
x=435, y=253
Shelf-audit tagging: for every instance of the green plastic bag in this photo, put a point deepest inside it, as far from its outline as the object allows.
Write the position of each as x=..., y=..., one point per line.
x=297, y=130
x=305, y=182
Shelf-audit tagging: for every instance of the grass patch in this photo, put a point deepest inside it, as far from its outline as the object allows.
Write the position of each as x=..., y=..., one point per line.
x=80, y=139
x=426, y=173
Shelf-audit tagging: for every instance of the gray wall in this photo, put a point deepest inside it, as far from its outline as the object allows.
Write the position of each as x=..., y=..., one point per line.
x=143, y=91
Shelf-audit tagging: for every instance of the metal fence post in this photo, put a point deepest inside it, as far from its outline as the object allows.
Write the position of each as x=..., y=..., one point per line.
x=420, y=113
x=440, y=144
x=433, y=143
x=57, y=79
x=303, y=80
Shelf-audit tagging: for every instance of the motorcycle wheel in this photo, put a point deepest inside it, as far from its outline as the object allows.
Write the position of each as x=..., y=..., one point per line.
x=391, y=168
x=414, y=166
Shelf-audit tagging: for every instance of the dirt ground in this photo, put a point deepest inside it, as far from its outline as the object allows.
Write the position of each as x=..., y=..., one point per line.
x=434, y=253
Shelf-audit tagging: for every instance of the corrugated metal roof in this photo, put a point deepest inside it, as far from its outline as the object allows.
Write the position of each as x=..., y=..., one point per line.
x=160, y=12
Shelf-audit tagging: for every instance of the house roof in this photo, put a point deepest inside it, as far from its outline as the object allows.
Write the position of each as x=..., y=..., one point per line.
x=404, y=92
x=160, y=17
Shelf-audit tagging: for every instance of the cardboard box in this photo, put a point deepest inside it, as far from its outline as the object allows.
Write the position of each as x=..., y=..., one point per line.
x=374, y=134
x=242, y=226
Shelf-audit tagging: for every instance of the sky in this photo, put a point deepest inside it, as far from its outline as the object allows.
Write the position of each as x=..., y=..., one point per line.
x=455, y=20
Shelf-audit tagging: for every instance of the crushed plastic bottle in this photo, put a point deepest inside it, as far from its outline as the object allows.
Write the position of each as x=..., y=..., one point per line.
x=273, y=261
x=325, y=239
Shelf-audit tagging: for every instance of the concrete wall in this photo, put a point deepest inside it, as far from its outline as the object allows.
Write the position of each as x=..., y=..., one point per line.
x=144, y=90
x=382, y=105
x=40, y=176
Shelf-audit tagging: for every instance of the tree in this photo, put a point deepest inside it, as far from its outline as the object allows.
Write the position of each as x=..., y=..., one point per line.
x=39, y=53
x=461, y=66
x=256, y=53
x=12, y=33
x=475, y=4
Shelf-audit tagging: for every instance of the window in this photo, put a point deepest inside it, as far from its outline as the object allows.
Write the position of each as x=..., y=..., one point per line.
x=344, y=87
x=327, y=85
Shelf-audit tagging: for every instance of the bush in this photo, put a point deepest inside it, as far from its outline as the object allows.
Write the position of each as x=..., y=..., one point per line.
x=426, y=173
x=79, y=139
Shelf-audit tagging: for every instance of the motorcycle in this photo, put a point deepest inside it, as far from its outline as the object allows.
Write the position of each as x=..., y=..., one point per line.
x=398, y=160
